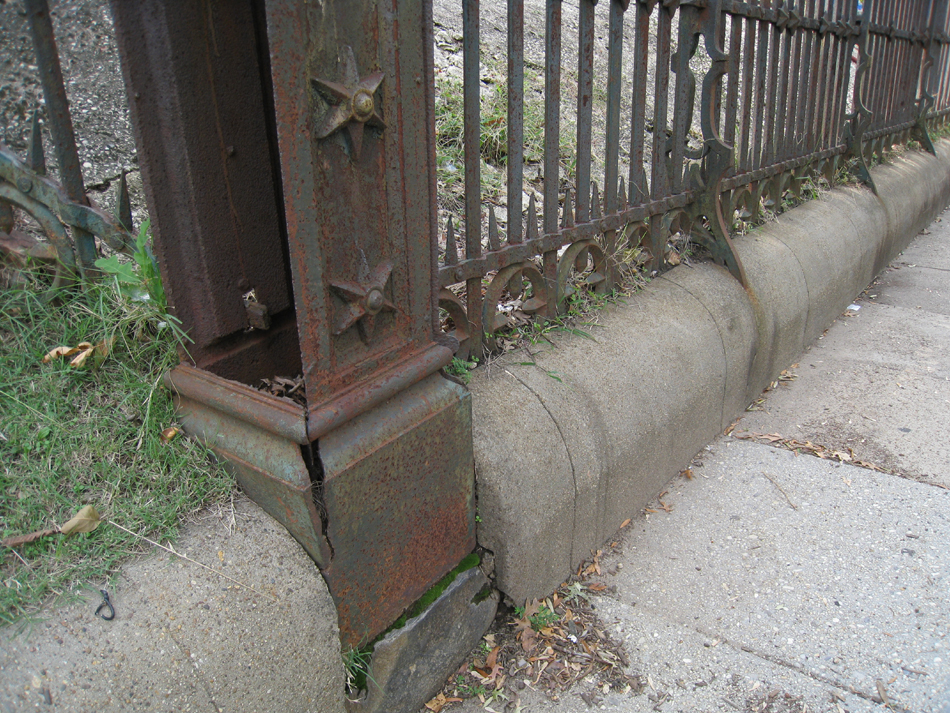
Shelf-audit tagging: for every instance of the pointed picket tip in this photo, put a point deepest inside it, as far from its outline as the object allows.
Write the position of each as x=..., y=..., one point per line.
x=36, y=159
x=451, y=251
x=494, y=242
x=596, y=212
x=124, y=205
x=622, y=195
x=567, y=217
x=532, y=219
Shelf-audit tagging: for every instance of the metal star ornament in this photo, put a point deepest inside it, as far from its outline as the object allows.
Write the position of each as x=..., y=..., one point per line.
x=352, y=102
x=365, y=299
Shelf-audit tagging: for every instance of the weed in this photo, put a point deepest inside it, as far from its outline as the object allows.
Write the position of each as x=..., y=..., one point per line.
x=544, y=618
x=356, y=668
x=461, y=369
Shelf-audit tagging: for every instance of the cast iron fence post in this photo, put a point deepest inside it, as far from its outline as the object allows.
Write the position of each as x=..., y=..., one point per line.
x=288, y=154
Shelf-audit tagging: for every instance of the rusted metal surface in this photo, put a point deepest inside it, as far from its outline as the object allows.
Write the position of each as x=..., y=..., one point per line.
x=780, y=99
x=262, y=438
x=350, y=114
x=197, y=81
x=390, y=441
x=398, y=484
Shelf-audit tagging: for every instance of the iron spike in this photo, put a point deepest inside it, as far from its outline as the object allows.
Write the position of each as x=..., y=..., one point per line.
x=622, y=196
x=493, y=241
x=451, y=251
x=36, y=158
x=567, y=218
x=532, y=220
x=597, y=213
x=123, y=205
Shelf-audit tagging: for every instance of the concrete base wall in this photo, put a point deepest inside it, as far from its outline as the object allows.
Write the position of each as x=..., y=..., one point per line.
x=572, y=439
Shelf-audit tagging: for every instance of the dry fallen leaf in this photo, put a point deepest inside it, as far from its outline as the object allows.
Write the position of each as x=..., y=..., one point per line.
x=31, y=537
x=169, y=433
x=58, y=352
x=624, y=523
x=440, y=701
x=85, y=349
x=86, y=520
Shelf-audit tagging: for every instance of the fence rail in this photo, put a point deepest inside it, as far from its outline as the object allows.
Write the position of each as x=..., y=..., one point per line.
x=780, y=91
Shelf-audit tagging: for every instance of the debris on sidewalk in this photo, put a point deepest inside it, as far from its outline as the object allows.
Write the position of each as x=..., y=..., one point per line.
x=809, y=448
x=548, y=645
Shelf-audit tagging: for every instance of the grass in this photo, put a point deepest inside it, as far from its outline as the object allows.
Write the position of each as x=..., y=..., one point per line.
x=72, y=436
x=493, y=134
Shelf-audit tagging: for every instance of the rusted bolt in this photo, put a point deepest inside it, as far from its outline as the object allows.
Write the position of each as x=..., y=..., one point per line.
x=24, y=184
x=374, y=300
x=363, y=105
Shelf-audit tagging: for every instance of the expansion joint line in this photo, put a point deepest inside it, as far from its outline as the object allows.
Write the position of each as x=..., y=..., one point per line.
x=722, y=343
x=570, y=459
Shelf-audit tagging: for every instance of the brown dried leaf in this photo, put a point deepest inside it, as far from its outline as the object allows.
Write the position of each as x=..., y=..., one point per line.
x=58, y=352
x=31, y=537
x=169, y=433
x=81, y=357
x=624, y=523
x=86, y=520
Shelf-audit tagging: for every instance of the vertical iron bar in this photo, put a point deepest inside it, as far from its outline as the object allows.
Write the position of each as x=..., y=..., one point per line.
x=681, y=121
x=637, y=182
x=758, y=140
x=771, y=120
x=60, y=122
x=805, y=89
x=781, y=133
x=732, y=92
x=831, y=99
x=791, y=121
x=748, y=57
x=585, y=99
x=660, y=183
x=823, y=78
x=614, y=82
x=515, y=117
x=552, y=142
x=614, y=85
x=471, y=97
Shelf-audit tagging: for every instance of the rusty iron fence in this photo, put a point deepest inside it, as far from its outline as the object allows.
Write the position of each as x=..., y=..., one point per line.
x=289, y=161
x=728, y=106
x=61, y=209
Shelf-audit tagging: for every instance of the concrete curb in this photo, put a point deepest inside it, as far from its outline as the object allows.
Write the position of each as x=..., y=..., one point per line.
x=572, y=439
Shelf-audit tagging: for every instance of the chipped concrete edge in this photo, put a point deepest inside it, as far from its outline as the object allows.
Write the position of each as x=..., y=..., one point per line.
x=574, y=437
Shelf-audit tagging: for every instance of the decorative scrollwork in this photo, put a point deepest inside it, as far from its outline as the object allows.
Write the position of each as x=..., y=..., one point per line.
x=25, y=186
x=511, y=280
x=453, y=306
x=584, y=256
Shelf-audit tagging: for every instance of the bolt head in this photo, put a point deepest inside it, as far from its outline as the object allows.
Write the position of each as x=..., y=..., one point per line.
x=374, y=300
x=363, y=105
x=24, y=184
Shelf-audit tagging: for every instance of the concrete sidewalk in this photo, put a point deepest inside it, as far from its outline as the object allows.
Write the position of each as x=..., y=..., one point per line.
x=784, y=582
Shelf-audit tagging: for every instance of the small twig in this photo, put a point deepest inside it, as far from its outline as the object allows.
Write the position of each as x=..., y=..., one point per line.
x=171, y=550
x=148, y=409
x=772, y=480
x=19, y=557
